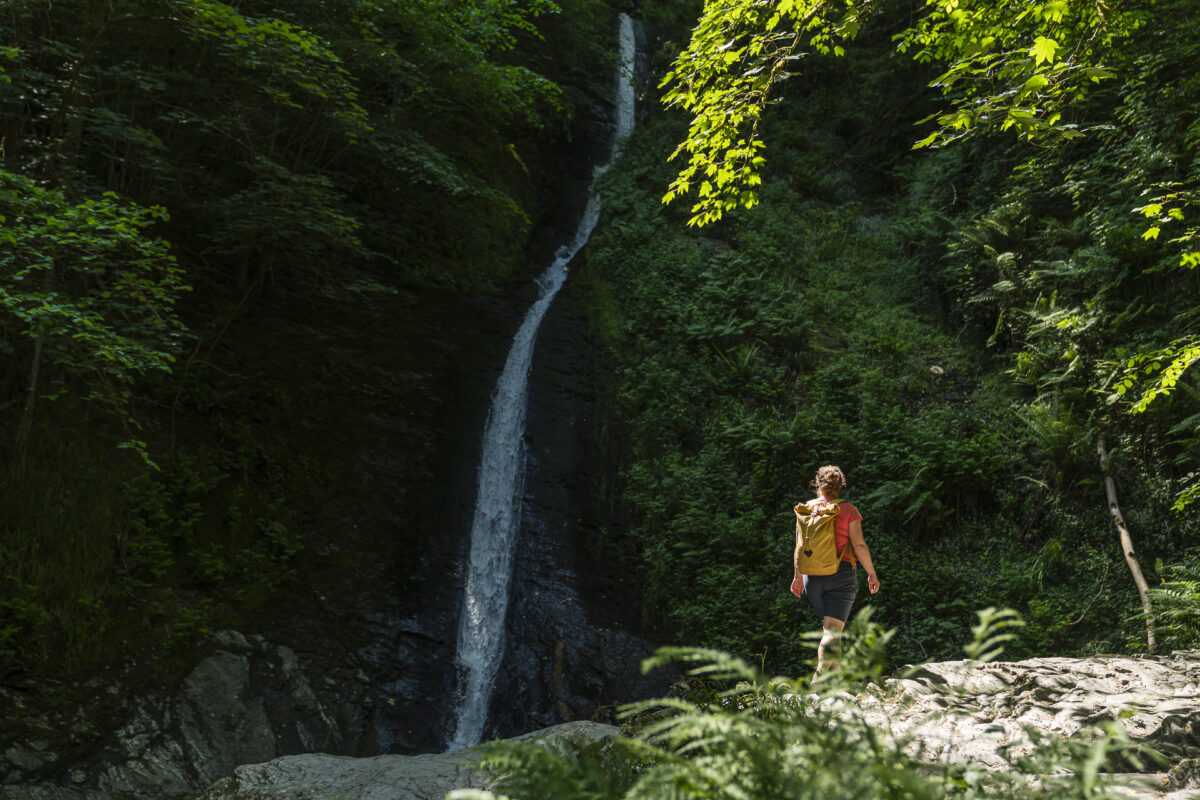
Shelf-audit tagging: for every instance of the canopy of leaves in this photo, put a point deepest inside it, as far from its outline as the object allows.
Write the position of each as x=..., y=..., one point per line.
x=86, y=281
x=1010, y=64
x=1043, y=70
x=244, y=151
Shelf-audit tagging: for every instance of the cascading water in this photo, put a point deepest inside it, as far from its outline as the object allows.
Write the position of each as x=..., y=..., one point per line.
x=502, y=462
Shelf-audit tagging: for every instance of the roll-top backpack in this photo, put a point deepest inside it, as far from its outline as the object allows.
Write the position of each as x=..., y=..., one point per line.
x=816, y=545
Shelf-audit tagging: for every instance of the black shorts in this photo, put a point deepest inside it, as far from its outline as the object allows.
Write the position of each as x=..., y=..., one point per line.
x=833, y=595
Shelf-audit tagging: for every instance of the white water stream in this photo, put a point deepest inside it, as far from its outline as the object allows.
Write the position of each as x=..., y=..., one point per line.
x=502, y=462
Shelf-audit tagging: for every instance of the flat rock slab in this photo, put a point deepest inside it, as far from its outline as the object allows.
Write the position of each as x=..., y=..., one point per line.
x=389, y=777
x=961, y=711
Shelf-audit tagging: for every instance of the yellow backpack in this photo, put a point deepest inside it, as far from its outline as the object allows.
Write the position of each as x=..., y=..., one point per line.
x=816, y=547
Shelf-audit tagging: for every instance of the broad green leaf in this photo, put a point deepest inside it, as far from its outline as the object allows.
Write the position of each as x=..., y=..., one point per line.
x=1043, y=50
x=1036, y=82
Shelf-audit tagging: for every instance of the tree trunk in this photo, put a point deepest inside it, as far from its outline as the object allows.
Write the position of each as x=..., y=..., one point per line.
x=35, y=368
x=67, y=124
x=1126, y=542
x=30, y=396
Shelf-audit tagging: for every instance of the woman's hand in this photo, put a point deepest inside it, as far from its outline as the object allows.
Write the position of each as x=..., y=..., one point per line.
x=873, y=582
x=798, y=586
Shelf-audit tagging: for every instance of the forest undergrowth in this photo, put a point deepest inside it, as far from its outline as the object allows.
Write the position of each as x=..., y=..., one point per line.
x=224, y=232
x=855, y=317
x=741, y=733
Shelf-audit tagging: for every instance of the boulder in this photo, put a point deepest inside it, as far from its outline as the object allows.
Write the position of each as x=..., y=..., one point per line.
x=388, y=777
x=249, y=700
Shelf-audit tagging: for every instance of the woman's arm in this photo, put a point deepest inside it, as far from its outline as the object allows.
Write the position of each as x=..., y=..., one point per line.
x=797, y=581
x=863, y=554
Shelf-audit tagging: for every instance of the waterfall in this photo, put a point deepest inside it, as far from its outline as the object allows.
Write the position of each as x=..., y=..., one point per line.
x=502, y=461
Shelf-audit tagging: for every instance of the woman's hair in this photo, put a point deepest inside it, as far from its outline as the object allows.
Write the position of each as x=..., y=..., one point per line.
x=830, y=481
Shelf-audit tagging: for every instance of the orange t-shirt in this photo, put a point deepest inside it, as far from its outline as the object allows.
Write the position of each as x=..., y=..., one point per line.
x=847, y=513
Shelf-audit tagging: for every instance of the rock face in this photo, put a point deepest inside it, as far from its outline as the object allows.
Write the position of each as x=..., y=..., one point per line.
x=248, y=701
x=391, y=777
x=572, y=643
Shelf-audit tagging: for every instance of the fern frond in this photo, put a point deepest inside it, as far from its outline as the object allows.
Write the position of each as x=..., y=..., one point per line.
x=991, y=632
x=713, y=664
x=761, y=742
x=1176, y=604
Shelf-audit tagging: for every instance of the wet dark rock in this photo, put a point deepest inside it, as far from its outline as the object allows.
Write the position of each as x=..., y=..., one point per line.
x=573, y=642
x=574, y=650
x=249, y=700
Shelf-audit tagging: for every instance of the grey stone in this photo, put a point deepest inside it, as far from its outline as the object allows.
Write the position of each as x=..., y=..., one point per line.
x=1185, y=774
x=221, y=722
x=232, y=640
x=51, y=792
x=248, y=702
x=389, y=777
x=148, y=761
x=28, y=756
x=960, y=711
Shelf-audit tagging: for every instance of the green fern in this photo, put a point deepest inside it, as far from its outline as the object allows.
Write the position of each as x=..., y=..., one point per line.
x=781, y=738
x=993, y=630
x=1176, y=605
x=595, y=770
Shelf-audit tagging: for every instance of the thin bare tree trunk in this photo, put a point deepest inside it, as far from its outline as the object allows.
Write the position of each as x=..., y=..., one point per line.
x=1126, y=542
x=30, y=395
x=34, y=371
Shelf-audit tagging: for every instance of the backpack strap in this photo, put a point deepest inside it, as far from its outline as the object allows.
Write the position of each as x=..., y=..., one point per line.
x=848, y=549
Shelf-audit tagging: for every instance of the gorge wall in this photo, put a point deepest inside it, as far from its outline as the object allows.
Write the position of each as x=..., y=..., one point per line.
x=357, y=656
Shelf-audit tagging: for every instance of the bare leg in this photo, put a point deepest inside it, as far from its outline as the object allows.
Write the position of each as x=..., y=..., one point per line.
x=831, y=634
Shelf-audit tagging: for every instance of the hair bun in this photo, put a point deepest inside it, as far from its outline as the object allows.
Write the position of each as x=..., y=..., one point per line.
x=830, y=480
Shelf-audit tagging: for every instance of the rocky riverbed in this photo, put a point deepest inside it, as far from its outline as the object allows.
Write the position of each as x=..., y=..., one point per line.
x=227, y=727
x=944, y=712
x=958, y=711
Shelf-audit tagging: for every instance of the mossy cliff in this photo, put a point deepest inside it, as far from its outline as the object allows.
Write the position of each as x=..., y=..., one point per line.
x=314, y=456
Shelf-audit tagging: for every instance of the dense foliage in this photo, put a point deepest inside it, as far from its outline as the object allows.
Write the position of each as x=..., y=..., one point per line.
x=1024, y=67
x=950, y=327
x=953, y=326
x=173, y=174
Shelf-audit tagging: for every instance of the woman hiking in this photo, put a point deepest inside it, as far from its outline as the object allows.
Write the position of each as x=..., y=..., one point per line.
x=833, y=595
